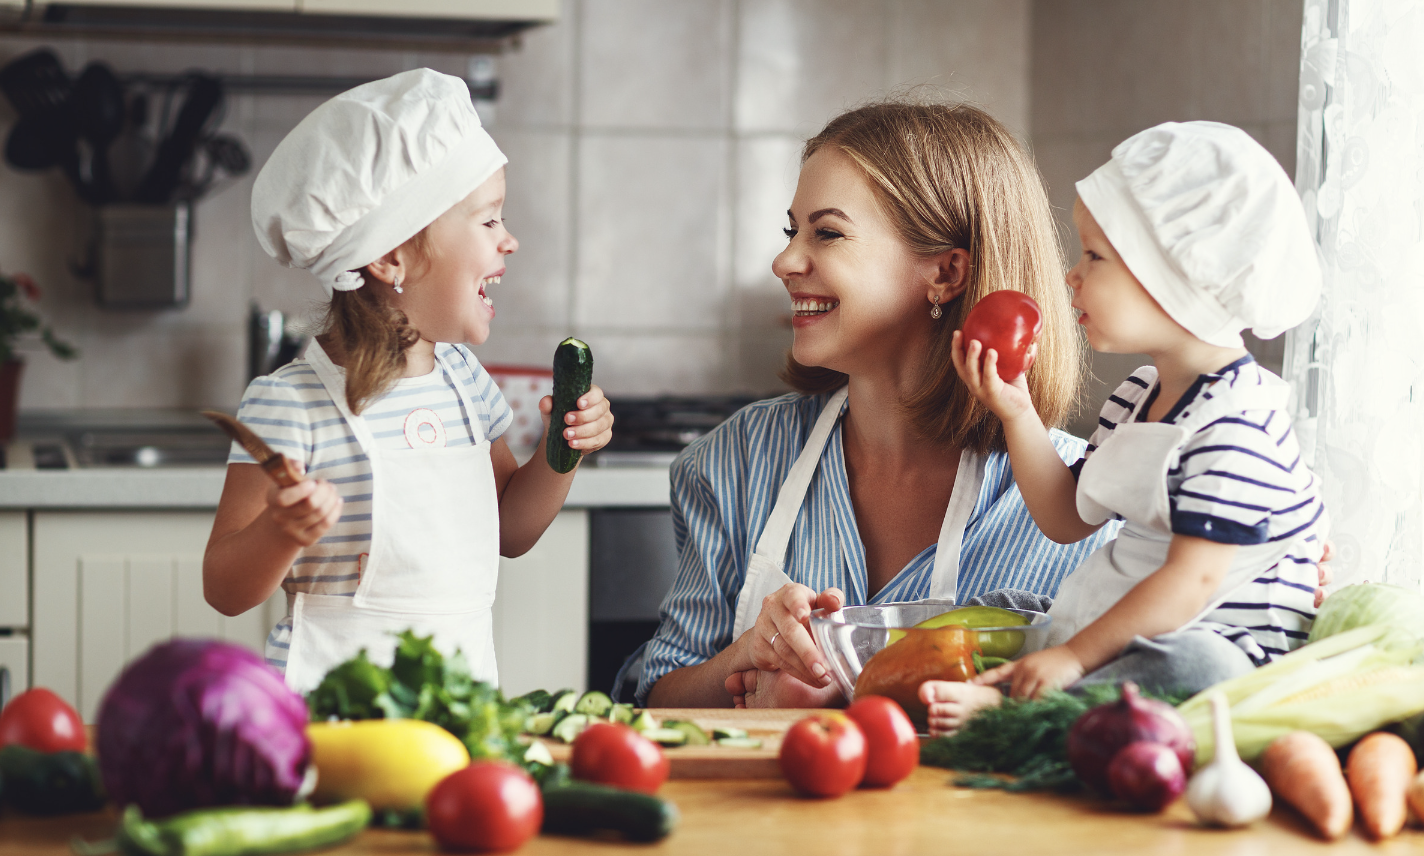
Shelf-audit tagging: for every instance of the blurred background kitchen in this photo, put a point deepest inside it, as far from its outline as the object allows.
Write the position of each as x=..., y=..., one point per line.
x=653, y=152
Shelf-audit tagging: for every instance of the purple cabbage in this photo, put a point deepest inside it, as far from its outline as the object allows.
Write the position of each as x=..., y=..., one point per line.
x=197, y=722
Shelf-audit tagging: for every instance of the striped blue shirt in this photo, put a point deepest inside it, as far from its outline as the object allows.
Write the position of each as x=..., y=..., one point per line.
x=293, y=412
x=1239, y=479
x=723, y=489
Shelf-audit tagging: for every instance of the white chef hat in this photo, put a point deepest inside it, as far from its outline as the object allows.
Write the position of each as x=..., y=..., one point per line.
x=1210, y=225
x=367, y=170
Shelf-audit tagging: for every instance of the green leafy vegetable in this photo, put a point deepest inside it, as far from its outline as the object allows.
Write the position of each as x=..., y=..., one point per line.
x=1369, y=603
x=424, y=684
x=1025, y=739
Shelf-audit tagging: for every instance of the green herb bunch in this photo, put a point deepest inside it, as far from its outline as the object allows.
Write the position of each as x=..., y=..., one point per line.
x=18, y=294
x=424, y=684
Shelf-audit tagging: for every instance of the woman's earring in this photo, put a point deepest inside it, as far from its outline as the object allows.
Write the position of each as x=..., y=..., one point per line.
x=935, y=311
x=396, y=284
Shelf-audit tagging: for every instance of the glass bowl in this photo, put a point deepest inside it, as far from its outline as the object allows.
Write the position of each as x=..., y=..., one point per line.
x=849, y=637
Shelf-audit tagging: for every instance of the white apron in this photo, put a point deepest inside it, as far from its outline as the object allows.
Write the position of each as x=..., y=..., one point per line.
x=434, y=558
x=1127, y=475
x=764, y=571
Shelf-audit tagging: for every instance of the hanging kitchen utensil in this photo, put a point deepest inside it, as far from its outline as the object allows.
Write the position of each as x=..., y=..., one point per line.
x=36, y=83
x=98, y=108
x=132, y=153
x=220, y=153
x=38, y=142
x=202, y=103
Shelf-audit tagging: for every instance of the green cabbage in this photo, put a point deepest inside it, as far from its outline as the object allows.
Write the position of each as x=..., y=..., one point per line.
x=1370, y=603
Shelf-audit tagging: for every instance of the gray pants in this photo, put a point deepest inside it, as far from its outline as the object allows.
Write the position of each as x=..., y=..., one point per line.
x=1184, y=661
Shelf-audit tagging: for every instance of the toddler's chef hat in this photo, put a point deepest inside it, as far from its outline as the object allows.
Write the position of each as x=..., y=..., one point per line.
x=1207, y=221
x=367, y=170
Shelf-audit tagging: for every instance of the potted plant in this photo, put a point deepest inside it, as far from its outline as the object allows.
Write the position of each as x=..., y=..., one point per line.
x=19, y=317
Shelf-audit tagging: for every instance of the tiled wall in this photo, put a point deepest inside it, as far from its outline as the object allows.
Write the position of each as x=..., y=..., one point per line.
x=1106, y=69
x=652, y=155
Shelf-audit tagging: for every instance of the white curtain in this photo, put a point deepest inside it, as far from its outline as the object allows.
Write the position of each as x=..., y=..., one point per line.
x=1358, y=365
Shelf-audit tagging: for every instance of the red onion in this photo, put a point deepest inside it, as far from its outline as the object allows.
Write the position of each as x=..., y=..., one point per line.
x=1098, y=735
x=1148, y=775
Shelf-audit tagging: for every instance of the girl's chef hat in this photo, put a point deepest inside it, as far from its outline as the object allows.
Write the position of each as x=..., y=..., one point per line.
x=1209, y=224
x=367, y=170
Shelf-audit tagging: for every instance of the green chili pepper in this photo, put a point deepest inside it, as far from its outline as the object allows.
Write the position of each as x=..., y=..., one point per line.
x=241, y=830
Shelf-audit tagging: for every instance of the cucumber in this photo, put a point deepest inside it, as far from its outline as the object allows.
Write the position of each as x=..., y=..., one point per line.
x=564, y=701
x=644, y=722
x=539, y=701
x=739, y=742
x=580, y=808
x=594, y=703
x=666, y=736
x=728, y=733
x=538, y=753
x=570, y=727
x=621, y=713
x=573, y=375
x=541, y=723
x=695, y=736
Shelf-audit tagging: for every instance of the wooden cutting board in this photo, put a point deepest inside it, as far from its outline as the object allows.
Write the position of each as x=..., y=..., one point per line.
x=720, y=762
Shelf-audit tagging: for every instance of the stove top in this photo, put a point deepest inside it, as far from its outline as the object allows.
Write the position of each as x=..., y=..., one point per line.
x=654, y=430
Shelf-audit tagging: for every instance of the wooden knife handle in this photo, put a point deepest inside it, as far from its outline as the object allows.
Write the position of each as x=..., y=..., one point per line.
x=282, y=471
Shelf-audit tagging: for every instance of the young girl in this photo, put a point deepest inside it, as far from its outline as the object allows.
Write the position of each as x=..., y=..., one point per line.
x=1190, y=233
x=392, y=195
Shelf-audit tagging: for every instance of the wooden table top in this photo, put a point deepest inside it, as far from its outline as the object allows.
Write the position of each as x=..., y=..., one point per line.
x=924, y=814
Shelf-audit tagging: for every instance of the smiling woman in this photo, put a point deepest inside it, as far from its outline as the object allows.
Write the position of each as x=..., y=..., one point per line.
x=882, y=479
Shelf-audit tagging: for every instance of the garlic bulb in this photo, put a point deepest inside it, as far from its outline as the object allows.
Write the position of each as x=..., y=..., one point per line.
x=1226, y=792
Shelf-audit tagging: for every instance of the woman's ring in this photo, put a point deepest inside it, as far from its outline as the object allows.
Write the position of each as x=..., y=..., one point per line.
x=774, y=637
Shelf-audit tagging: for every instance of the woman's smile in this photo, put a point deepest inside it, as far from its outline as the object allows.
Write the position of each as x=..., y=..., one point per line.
x=807, y=309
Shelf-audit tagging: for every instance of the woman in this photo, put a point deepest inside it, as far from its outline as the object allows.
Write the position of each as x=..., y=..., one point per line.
x=882, y=479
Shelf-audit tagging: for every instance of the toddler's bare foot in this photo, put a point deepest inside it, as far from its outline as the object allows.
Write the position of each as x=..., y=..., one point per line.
x=953, y=703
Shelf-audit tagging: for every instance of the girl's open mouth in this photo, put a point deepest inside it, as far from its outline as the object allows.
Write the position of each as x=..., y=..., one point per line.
x=492, y=280
x=811, y=307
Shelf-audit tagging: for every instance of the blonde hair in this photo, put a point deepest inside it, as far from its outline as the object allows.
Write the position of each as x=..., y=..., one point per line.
x=368, y=336
x=951, y=177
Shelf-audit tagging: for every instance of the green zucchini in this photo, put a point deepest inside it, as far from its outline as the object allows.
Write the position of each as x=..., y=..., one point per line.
x=573, y=375
x=580, y=808
x=49, y=783
x=241, y=830
x=695, y=736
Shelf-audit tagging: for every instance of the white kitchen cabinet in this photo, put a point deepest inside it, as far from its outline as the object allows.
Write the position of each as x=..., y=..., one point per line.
x=108, y=585
x=14, y=576
x=541, y=611
x=14, y=666
x=493, y=10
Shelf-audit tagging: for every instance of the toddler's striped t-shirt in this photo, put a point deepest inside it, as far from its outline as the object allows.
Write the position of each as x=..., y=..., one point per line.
x=293, y=412
x=1239, y=480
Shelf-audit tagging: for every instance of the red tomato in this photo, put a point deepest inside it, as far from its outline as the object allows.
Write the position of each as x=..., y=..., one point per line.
x=41, y=720
x=823, y=755
x=488, y=805
x=892, y=748
x=1007, y=321
x=611, y=753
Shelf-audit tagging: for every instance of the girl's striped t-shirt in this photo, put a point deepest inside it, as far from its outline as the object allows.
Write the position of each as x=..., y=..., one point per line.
x=1240, y=480
x=725, y=484
x=293, y=412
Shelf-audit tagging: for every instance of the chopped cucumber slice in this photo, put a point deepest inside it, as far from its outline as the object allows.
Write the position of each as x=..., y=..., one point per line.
x=570, y=727
x=695, y=736
x=594, y=703
x=542, y=723
x=666, y=736
x=740, y=742
x=621, y=713
x=728, y=733
x=539, y=701
x=564, y=701
x=538, y=753
x=644, y=722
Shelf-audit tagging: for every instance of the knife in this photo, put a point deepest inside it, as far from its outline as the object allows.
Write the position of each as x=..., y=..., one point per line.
x=277, y=466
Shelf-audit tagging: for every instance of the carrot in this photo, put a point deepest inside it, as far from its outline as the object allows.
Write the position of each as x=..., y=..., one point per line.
x=1302, y=769
x=1415, y=797
x=1379, y=770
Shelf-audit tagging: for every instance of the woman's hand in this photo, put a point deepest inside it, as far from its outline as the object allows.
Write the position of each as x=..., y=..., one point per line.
x=980, y=372
x=757, y=689
x=590, y=427
x=1037, y=673
x=781, y=639
x=305, y=511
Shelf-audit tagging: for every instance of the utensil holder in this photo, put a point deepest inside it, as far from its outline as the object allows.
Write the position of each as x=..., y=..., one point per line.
x=144, y=256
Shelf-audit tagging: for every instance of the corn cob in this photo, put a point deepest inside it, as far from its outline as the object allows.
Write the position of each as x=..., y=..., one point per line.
x=1357, y=682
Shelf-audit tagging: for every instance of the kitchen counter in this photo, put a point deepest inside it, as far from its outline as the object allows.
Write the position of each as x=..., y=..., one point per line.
x=200, y=487
x=921, y=815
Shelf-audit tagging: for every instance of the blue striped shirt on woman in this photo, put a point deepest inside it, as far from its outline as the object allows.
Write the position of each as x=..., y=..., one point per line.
x=725, y=484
